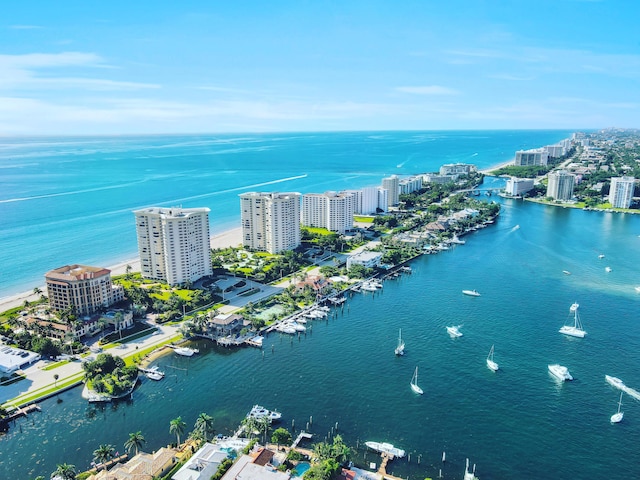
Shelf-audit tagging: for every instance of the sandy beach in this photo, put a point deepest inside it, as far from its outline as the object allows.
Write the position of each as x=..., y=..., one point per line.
x=230, y=238
x=487, y=171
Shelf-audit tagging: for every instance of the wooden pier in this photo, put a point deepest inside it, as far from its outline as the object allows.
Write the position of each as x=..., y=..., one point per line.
x=302, y=436
x=22, y=411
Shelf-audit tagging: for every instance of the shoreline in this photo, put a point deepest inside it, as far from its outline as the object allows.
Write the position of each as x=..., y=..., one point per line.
x=228, y=238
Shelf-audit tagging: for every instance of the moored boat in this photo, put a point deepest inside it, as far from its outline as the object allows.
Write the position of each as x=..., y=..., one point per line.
x=258, y=411
x=384, y=447
x=560, y=372
x=574, y=330
x=186, y=351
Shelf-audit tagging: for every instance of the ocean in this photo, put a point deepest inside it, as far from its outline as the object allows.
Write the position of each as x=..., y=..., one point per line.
x=66, y=200
x=342, y=375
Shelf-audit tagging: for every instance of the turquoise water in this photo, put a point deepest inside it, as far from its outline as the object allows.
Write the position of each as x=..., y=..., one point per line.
x=69, y=200
x=514, y=423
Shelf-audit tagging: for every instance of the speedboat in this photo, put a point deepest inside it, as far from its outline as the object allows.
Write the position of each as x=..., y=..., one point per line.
x=384, y=447
x=454, y=330
x=472, y=293
x=560, y=372
x=615, y=382
x=154, y=373
x=258, y=411
x=186, y=351
x=566, y=272
x=638, y=289
x=607, y=269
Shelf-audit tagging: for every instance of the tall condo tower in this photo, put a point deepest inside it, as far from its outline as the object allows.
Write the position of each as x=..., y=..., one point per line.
x=270, y=221
x=174, y=244
x=560, y=186
x=621, y=191
x=392, y=185
x=330, y=210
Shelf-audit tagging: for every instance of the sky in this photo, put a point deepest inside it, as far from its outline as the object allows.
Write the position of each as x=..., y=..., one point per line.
x=137, y=67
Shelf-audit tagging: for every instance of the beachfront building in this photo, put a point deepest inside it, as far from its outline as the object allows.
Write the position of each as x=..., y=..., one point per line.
x=538, y=156
x=410, y=185
x=560, y=186
x=392, y=185
x=457, y=169
x=85, y=289
x=383, y=199
x=270, y=221
x=621, y=191
x=174, y=244
x=517, y=186
x=438, y=179
x=330, y=210
x=559, y=149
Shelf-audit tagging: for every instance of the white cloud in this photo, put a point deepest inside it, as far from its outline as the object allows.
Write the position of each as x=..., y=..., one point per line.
x=428, y=90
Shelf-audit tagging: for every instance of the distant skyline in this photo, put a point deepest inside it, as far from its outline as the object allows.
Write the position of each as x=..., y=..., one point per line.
x=77, y=68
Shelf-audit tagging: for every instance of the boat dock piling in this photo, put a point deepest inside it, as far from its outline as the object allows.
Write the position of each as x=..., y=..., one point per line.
x=22, y=411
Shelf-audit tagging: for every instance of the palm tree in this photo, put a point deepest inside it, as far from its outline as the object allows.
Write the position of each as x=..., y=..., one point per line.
x=176, y=427
x=55, y=379
x=204, y=425
x=135, y=441
x=65, y=471
x=103, y=453
x=250, y=425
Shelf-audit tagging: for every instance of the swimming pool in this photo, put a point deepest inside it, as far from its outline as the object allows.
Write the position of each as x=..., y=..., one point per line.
x=302, y=467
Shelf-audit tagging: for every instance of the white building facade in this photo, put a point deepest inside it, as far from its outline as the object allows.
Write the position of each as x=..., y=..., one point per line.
x=537, y=156
x=270, y=221
x=621, y=191
x=392, y=185
x=174, y=244
x=518, y=186
x=410, y=185
x=457, y=169
x=560, y=186
x=331, y=210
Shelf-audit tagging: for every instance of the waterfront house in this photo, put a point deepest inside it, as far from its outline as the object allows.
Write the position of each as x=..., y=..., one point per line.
x=226, y=324
x=143, y=466
x=256, y=466
x=203, y=464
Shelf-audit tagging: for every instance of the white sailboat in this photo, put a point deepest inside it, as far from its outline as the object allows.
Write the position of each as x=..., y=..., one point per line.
x=400, y=348
x=576, y=329
x=617, y=417
x=414, y=383
x=490, y=363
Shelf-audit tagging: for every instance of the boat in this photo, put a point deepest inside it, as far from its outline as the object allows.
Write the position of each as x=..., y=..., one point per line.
x=454, y=331
x=258, y=411
x=638, y=289
x=414, y=383
x=384, y=447
x=615, y=382
x=154, y=373
x=574, y=330
x=457, y=241
x=560, y=372
x=566, y=272
x=400, y=348
x=607, y=269
x=601, y=256
x=471, y=293
x=186, y=351
x=490, y=363
x=368, y=287
x=470, y=475
x=617, y=417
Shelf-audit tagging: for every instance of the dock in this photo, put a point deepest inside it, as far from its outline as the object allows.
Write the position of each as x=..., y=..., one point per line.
x=386, y=458
x=22, y=411
x=302, y=436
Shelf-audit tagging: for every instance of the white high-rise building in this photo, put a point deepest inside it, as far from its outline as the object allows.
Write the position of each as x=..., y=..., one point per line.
x=410, y=185
x=538, y=156
x=383, y=199
x=392, y=185
x=365, y=201
x=330, y=210
x=270, y=221
x=621, y=191
x=560, y=186
x=174, y=244
x=518, y=186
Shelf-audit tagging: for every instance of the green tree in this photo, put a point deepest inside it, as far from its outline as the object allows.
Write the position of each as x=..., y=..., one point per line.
x=204, y=425
x=65, y=471
x=134, y=442
x=55, y=379
x=176, y=427
x=281, y=436
x=103, y=453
